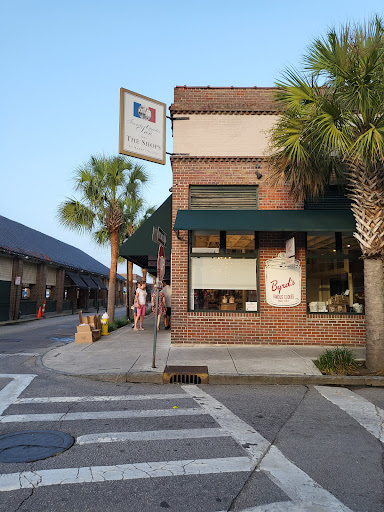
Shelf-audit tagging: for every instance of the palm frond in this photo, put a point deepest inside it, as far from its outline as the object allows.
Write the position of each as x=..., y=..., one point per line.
x=76, y=216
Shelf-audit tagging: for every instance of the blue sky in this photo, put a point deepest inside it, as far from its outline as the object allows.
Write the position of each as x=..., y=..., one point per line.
x=63, y=63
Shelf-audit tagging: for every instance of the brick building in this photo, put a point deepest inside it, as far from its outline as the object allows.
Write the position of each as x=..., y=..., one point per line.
x=249, y=265
x=231, y=280
x=37, y=269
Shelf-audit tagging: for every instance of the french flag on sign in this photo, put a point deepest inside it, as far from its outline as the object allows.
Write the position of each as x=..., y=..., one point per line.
x=143, y=112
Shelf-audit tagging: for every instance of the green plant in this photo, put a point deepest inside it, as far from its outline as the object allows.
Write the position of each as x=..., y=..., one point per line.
x=121, y=322
x=112, y=326
x=337, y=361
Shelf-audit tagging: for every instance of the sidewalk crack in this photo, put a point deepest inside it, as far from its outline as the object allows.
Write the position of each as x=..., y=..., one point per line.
x=233, y=361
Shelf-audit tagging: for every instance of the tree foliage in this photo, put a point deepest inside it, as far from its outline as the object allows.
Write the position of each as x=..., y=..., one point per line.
x=110, y=205
x=331, y=129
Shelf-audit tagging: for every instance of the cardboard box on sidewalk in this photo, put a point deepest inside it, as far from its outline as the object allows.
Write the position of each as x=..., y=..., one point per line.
x=84, y=337
x=83, y=328
x=89, y=329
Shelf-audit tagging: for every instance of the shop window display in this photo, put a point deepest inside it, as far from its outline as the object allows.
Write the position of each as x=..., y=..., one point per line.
x=335, y=274
x=26, y=292
x=227, y=280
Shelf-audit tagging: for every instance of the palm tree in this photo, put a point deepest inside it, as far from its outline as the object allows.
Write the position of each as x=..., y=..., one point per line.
x=332, y=128
x=107, y=186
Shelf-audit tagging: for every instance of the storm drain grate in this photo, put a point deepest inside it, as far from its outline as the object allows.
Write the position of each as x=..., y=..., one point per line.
x=185, y=375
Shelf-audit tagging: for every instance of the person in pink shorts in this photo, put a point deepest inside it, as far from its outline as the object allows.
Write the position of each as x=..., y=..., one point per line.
x=141, y=301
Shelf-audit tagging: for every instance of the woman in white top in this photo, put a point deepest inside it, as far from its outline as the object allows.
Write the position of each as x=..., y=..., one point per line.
x=141, y=301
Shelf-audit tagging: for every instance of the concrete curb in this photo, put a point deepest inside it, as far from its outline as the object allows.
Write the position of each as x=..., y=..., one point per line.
x=299, y=380
x=230, y=379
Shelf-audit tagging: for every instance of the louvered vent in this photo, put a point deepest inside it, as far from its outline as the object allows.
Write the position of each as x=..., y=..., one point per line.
x=223, y=197
x=333, y=199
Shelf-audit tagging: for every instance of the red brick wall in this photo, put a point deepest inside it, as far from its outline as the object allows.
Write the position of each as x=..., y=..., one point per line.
x=216, y=99
x=270, y=325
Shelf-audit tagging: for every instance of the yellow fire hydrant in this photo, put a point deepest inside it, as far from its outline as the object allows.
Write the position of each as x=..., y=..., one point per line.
x=104, y=324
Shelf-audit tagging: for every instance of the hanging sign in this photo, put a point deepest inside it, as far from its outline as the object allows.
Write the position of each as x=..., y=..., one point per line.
x=283, y=281
x=159, y=236
x=142, y=127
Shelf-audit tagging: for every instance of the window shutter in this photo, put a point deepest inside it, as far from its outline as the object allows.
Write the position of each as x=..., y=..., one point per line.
x=51, y=277
x=333, y=199
x=223, y=197
x=5, y=269
x=29, y=273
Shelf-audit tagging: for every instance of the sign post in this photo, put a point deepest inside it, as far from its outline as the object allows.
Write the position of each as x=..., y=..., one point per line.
x=161, y=240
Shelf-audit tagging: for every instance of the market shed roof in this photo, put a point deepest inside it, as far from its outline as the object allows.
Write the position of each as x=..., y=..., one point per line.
x=15, y=238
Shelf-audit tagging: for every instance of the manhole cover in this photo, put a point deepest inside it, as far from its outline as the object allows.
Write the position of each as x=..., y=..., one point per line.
x=32, y=445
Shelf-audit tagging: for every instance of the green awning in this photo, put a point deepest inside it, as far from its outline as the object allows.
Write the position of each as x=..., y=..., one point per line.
x=265, y=220
x=139, y=247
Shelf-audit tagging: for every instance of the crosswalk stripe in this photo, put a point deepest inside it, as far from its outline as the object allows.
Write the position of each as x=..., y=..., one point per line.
x=110, y=398
x=367, y=414
x=292, y=480
x=297, y=484
x=151, y=435
x=253, y=442
x=25, y=354
x=12, y=390
x=35, y=479
x=71, y=416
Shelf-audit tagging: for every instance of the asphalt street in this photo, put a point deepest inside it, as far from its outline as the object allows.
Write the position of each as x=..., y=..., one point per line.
x=142, y=447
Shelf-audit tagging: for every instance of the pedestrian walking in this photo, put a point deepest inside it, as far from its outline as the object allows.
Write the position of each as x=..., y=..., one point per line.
x=167, y=290
x=162, y=308
x=141, y=305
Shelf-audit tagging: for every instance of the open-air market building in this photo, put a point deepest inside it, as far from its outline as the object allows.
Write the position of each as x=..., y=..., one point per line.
x=36, y=268
x=249, y=265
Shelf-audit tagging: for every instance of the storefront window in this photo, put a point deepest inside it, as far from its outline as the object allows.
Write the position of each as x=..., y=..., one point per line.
x=206, y=241
x=240, y=242
x=227, y=282
x=335, y=274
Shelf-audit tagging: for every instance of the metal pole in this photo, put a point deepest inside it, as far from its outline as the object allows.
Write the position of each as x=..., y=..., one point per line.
x=155, y=330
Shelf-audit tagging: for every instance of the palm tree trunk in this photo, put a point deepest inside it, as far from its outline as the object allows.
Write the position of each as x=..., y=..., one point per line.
x=130, y=284
x=114, y=235
x=367, y=194
x=374, y=313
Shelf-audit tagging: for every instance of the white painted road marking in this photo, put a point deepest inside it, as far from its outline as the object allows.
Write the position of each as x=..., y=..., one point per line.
x=281, y=506
x=35, y=479
x=12, y=390
x=151, y=435
x=25, y=354
x=77, y=399
x=100, y=415
x=292, y=480
x=307, y=495
x=253, y=442
x=297, y=484
x=368, y=415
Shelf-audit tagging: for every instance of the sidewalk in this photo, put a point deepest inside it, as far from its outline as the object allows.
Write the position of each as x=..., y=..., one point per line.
x=126, y=356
